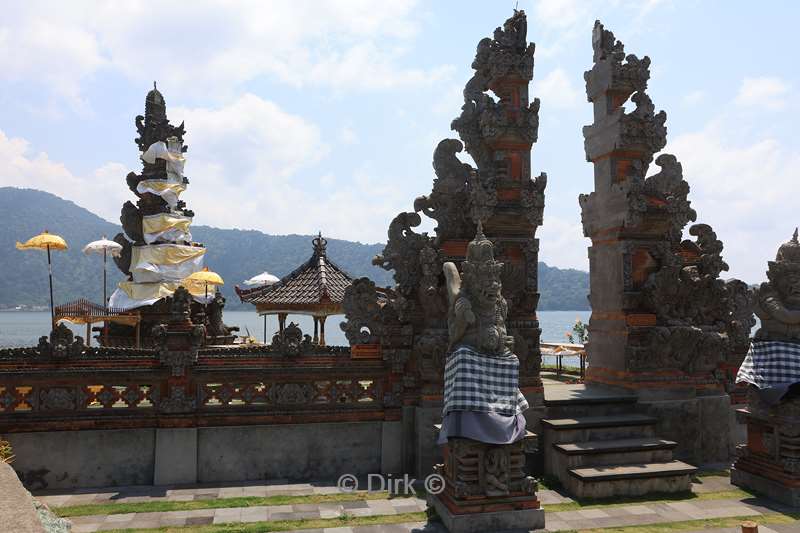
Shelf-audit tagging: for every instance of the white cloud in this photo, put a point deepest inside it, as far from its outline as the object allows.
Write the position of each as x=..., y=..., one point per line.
x=742, y=190
x=557, y=90
x=347, y=135
x=562, y=242
x=103, y=191
x=206, y=48
x=766, y=93
x=695, y=97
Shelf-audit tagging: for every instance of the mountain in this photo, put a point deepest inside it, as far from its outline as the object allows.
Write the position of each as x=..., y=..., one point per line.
x=235, y=254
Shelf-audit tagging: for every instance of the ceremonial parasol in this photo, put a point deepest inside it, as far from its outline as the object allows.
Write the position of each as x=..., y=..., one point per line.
x=265, y=278
x=103, y=246
x=46, y=241
x=204, y=277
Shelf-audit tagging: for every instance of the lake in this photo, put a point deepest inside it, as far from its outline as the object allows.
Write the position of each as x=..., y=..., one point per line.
x=24, y=328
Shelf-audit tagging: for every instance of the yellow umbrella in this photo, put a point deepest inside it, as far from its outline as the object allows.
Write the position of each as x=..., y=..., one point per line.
x=46, y=241
x=205, y=277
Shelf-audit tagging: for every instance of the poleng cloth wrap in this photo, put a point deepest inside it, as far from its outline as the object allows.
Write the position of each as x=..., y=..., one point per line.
x=770, y=363
x=481, y=383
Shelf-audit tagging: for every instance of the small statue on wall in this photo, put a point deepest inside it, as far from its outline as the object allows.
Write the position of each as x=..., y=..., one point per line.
x=778, y=300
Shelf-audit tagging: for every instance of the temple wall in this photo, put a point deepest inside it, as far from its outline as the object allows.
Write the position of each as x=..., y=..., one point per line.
x=97, y=458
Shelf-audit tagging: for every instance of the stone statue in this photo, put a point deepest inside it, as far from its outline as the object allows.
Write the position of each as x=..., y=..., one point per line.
x=778, y=300
x=216, y=326
x=770, y=460
x=477, y=310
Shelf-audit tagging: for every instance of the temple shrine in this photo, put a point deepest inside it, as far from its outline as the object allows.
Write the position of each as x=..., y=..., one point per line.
x=315, y=288
x=157, y=247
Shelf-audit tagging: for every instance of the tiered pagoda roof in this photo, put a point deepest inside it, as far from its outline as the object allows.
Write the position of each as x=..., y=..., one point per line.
x=315, y=288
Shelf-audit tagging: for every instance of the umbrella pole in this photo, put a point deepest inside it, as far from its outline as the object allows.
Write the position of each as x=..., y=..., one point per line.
x=50, y=277
x=105, y=301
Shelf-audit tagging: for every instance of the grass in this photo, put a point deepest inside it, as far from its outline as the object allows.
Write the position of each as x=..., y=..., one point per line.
x=650, y=498
x=689, y=525
x=350, y=521
x=216, y=503
x=287, y=525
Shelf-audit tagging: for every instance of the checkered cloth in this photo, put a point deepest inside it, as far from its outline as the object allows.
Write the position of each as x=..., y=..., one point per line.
x=770, y=363
x=479, y=383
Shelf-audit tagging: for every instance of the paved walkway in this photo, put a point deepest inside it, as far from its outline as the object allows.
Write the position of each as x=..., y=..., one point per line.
x=608, y=516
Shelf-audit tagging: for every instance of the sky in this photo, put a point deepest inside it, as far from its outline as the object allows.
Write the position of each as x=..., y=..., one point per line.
x=323, y=115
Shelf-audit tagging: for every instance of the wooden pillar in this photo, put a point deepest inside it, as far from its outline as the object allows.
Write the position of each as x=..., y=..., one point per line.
x=281, y=322
x=322, y=330
x=88, y=334
x=265, y=328
x=316, y=330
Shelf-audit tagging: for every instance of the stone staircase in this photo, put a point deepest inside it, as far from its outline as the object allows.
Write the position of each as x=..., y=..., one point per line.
x=598, y=446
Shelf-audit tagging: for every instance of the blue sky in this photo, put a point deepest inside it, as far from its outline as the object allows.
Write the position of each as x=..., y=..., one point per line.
x=307, y=115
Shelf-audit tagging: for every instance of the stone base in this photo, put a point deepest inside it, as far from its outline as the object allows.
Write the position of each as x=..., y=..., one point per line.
x=768, y=487
x=521, y=519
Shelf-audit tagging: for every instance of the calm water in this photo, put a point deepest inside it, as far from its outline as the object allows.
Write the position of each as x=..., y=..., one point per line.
x=25, y=328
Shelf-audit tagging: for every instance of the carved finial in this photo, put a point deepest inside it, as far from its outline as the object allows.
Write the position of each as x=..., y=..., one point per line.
x=320, y=244
x=789, y=252
x=154, y=85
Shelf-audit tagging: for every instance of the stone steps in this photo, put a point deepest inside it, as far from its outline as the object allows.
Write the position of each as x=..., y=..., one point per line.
x=610, y=452
x=598, y=446
x=630, y=479
x=592, y=428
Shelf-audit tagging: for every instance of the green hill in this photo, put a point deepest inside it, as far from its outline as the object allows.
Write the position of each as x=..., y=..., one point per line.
x=235, y=254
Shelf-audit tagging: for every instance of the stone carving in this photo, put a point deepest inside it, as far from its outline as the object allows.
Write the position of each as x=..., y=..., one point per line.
x=477, y=469
x=778, y=300
x=363, y=310
x=291, y=341
x=684, y=316
x=497, y=126
x=180, y=308
x=477, y=310
x=291, y=393
x=57, y=399
x=62, y=343
x=123, y=261
x=216, y=326
x=450, y=190
x=177, y=402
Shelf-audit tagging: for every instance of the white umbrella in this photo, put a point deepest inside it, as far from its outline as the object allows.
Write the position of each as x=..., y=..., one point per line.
x=265, y=278
x=105, y=247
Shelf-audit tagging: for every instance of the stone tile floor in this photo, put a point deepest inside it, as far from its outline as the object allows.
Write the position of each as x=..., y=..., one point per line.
x=608, y=516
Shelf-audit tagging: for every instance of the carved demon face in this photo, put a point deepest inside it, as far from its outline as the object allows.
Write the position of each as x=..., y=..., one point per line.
x=484, y=286
x=788, y=286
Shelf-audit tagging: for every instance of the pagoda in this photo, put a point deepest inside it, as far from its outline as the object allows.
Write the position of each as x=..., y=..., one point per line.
x=157, y=247
x=315, y=288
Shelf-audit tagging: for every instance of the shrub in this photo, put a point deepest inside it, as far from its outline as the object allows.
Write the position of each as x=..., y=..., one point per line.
x=5, y=452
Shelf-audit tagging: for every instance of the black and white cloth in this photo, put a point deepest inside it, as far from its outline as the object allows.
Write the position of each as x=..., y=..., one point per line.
x=773, y=367
x=483, y=384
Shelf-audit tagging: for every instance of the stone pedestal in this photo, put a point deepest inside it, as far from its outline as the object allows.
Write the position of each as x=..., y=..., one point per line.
x=486, y=488
x=769, y=463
